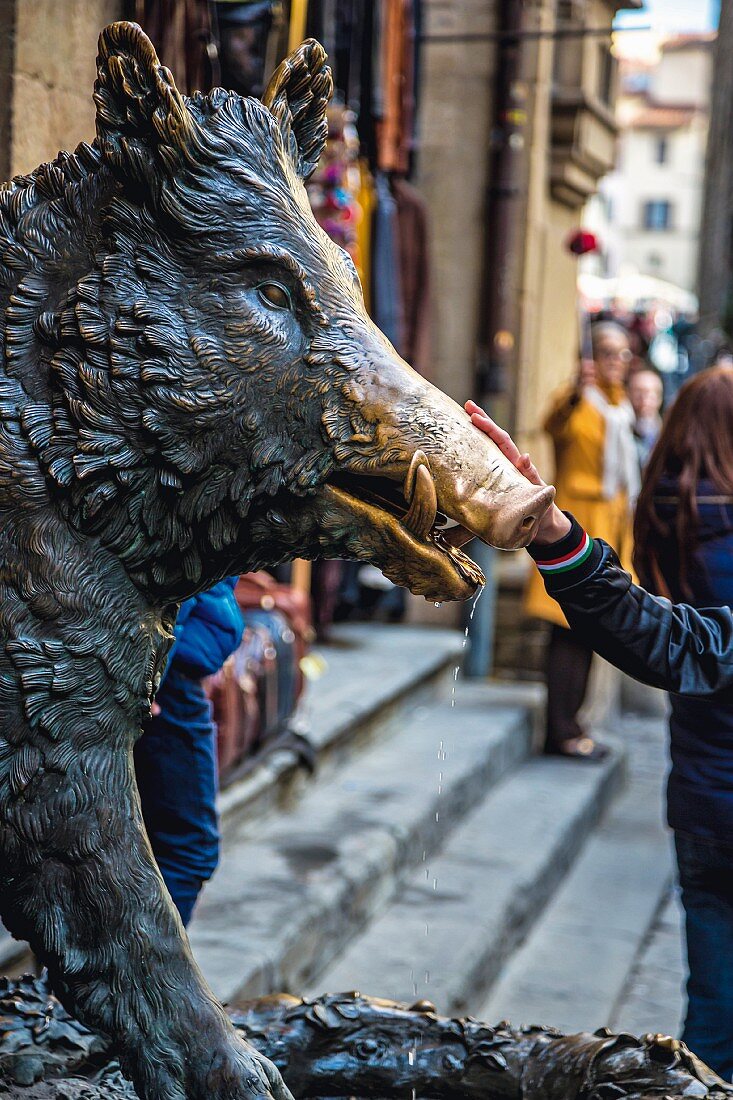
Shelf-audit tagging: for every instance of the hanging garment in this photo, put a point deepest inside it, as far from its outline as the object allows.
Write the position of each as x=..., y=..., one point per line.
x=181, y=32
x=394, y=132
x=367, y=202
x=249, y=41
x=386, y=282
x=334, y=187
x=414, y=256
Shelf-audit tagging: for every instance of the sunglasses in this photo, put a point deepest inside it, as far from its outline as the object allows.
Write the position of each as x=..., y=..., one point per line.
x=623, y=354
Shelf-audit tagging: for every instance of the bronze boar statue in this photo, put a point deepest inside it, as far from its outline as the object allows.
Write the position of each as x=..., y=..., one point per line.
x=190, y=387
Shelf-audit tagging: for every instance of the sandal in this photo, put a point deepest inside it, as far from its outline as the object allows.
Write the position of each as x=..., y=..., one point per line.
x=579, y=748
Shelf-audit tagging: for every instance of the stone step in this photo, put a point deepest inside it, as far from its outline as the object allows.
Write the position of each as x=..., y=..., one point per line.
x=292, y=890
x=372, y=675
x=576, y=965
x=455, y=922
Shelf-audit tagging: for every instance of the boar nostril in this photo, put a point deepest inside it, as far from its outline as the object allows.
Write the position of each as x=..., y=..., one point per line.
x=528, y=521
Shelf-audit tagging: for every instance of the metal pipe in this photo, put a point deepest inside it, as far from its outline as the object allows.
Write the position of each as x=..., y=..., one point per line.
x=499, y=318
x=505, y=205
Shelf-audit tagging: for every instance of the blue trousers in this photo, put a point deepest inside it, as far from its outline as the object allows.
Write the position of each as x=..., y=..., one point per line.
x=175, y=766
x=706, y=878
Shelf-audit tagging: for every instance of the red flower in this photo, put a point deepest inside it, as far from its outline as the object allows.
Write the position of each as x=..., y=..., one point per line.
x=581, y=241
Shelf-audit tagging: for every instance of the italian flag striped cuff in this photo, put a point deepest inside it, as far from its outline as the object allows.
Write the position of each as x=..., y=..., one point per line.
x=571, y=559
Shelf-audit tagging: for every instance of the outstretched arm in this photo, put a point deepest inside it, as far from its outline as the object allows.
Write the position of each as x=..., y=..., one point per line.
x=670, y=646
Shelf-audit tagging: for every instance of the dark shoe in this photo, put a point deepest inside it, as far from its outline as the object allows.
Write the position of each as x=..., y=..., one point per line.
x=579, y=748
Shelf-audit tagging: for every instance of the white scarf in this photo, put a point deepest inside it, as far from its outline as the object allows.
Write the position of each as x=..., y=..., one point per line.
x=620, y=458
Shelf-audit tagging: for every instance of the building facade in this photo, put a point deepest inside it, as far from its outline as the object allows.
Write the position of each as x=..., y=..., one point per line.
x=648, y=212
x=565, y=139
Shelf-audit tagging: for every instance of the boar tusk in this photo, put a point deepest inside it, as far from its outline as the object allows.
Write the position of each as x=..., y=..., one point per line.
x=421, y=514
x=418, y=459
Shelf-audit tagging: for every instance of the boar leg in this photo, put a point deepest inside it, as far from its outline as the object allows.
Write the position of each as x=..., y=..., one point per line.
x=81, y=885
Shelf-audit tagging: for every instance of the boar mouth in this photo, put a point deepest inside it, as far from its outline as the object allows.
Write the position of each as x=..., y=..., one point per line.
x=421, y=548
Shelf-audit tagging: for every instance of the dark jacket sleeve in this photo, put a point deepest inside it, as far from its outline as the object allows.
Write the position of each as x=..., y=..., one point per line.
x=670, y=646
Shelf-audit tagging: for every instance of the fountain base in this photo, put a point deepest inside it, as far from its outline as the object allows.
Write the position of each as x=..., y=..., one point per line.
x=349, y=1045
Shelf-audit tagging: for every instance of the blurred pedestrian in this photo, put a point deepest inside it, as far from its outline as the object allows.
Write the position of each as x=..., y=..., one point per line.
x=723, y=358
x=646, y=394
x=684, y=550
x=175, y=758
x=597, y=478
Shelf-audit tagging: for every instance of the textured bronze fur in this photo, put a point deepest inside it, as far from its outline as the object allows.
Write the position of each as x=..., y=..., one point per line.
x=349, y=1045
x=179, y=380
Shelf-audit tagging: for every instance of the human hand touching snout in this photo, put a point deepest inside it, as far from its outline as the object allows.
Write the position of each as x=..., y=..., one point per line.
x=554, y=524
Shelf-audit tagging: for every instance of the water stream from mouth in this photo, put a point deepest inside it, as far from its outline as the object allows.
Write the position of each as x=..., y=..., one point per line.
x=457, y=669
x=442, y=757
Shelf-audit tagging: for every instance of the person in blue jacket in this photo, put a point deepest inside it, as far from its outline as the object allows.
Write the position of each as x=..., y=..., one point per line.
x=684, y=551
x=175, y=758
x=679, y=646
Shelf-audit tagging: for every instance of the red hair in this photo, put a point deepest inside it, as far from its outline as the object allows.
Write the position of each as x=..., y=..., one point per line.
x=696, y=442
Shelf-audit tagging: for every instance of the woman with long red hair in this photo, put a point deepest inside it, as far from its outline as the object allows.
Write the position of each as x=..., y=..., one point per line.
x=684, y=549
x=683, y=540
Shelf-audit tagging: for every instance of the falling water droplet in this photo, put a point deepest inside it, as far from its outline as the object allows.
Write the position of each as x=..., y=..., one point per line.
x=427, y=929
x=435, y=884
x=411, y=1057
x=456, y=670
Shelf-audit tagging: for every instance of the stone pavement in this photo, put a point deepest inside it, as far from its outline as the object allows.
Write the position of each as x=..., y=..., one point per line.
x=653, y=999
x=607, y=950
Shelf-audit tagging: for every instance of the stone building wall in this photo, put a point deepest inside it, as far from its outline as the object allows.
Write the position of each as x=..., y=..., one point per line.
x=456, y=113
x=52, y=69
x=549, y=329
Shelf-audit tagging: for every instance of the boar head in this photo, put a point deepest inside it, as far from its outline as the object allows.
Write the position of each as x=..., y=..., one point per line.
x=223, y=389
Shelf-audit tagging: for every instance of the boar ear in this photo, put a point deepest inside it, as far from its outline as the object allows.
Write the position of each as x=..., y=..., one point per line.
x=298, y=95
x=140, y=112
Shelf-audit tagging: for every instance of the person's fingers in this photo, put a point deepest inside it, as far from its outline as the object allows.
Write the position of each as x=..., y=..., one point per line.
x=503, y=440
x=529, y=470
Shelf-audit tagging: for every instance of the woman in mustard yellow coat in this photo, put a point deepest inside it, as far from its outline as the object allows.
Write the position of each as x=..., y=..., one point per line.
x=597, y=479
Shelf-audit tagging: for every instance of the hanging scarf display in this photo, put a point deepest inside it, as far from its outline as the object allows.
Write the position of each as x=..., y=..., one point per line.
x=334, y=188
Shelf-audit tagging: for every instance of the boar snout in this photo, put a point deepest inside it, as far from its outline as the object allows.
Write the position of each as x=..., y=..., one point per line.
x=455, y=469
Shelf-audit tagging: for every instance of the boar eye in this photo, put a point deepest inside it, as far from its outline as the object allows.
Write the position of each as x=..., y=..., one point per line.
x=272, y=294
